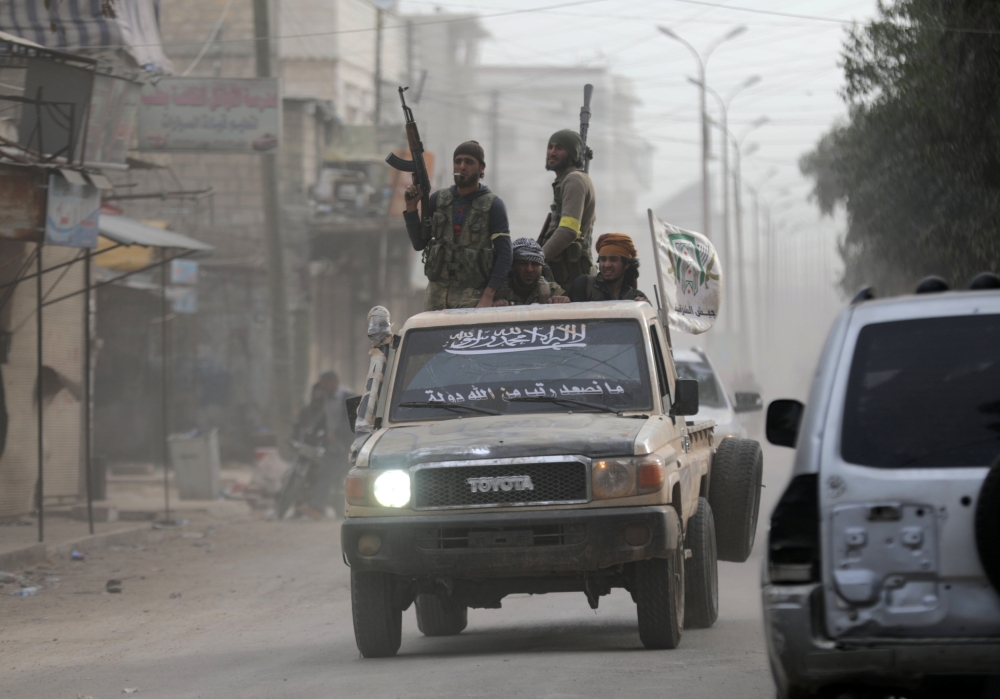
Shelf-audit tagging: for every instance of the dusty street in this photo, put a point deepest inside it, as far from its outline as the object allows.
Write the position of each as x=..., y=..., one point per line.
x=262, y=609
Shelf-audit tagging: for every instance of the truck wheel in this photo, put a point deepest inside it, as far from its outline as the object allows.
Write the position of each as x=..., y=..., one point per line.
x=734, y=494
x=440, y=617
x=378, y=620
x=988, y=524
x=659, y=592
x=701, y=571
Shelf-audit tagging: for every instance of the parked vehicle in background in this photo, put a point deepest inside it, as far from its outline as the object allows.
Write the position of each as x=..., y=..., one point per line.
x=883, y=564
x=536, y=449
x=714, y=402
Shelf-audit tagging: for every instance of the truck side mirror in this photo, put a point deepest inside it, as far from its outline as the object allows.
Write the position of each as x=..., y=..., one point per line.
x=783, y=419
x=352, y=404
x=685, y=398
x=748, y=402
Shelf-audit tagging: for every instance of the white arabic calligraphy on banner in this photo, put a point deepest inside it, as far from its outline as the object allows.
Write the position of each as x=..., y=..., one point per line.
x=516, y=339
x=690, y=276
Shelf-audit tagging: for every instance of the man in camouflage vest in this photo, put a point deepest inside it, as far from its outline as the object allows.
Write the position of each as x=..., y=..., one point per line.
x=525, y=284
x=618, y=267
x=566, y=237
x=467, y=256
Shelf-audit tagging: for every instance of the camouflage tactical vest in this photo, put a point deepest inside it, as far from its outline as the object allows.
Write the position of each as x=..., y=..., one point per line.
x=575, y=259
x=540, y=293
x=600, y=292
x=466, y=260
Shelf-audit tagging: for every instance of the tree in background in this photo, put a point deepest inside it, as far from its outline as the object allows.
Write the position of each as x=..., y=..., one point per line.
x=917, y=167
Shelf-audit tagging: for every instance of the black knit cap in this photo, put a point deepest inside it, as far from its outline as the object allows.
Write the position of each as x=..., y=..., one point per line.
x=471, y=148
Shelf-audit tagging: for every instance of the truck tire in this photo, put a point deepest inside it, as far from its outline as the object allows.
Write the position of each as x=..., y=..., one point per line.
x=734, y=494
x=659, y=595
x=988, y=524
x=378, y=619
x=701, y=571
x=440, y=617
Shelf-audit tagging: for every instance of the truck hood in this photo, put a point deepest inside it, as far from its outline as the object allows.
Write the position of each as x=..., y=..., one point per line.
x=507, y=436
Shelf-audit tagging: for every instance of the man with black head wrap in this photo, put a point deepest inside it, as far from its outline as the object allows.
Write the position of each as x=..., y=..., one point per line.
x=525, y=284
x=567, y=235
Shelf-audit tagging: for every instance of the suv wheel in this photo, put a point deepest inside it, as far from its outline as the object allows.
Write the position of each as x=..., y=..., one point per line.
x=701, y=571
x=437, y=616
x=659, y=594
x=734, y=494
x=378, y=618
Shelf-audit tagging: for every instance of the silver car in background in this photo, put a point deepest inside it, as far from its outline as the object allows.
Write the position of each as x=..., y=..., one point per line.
x=714, y=402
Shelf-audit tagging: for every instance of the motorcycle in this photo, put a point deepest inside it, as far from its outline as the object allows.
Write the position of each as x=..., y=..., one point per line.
x=309, y=446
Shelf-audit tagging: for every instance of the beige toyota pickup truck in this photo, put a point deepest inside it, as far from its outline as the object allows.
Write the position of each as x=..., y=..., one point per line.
x=537, y=449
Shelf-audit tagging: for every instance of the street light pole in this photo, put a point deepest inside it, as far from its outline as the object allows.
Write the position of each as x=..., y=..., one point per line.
x=726, y=249
x=702, y=60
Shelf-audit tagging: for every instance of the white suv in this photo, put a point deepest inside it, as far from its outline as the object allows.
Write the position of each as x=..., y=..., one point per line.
x=873, y=578
x=713, y=399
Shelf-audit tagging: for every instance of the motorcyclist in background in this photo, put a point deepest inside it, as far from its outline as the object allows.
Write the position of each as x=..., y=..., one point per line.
x=333, y=466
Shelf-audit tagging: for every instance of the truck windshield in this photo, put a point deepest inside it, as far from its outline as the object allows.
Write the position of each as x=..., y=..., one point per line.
x=924, y=393
x=497, y=366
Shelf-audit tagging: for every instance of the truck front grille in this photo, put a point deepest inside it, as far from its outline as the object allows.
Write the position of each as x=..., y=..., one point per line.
x=498, y=485
x=499, y=537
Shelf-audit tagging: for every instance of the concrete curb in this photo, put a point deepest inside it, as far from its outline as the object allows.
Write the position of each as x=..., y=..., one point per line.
x=20, y=559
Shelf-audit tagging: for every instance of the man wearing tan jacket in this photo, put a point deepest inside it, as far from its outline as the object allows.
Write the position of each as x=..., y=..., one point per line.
x=566, y=238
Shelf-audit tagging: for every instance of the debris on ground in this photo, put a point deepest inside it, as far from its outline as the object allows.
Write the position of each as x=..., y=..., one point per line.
x=130, y=690
x=25, y=592
x=113, y=586
x=173, y=524
x=84, y=696
x=77, y=555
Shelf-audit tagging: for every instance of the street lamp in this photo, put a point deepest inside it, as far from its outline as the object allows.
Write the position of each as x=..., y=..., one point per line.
x=706, y=207
x=724, y=102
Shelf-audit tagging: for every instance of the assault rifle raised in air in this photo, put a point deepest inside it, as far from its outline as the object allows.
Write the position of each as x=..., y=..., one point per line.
x=416, y=166
x=587, y=154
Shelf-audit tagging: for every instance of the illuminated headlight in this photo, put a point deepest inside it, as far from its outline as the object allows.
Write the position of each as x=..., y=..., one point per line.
x=618, y=478
x=392, y=489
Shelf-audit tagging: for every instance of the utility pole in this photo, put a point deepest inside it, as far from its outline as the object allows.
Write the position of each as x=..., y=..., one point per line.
x=740, y=262
x=495, y=138
x=281, y=383
x=378, y=65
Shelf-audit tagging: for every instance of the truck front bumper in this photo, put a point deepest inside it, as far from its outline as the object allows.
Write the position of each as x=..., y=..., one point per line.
x=803, y=659
x=510, y=544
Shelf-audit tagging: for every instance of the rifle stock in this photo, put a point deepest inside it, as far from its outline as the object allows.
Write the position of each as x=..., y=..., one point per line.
x=417, y=167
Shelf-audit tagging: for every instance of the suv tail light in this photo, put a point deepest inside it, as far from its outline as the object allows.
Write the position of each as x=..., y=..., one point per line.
x=793, y=544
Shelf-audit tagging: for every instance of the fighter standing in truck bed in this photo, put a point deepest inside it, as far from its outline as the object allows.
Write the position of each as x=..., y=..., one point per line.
x=566, y=238
x=468, y=255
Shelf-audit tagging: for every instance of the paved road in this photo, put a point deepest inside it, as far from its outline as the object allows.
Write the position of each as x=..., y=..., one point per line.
x=264, y=611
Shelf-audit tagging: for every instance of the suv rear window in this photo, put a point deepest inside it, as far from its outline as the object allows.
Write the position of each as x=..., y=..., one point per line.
x=924, y=393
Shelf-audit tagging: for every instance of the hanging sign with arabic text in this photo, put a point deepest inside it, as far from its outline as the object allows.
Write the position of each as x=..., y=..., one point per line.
x=690, y=276
x=220, y=115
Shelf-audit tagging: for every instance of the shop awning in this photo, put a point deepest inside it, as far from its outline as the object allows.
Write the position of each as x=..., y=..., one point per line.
x=128, y=231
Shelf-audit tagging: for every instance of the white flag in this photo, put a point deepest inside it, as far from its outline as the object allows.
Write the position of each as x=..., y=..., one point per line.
x=690, y=276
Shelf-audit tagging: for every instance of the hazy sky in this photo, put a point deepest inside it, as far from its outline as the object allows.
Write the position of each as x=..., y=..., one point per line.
x=796, y=58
